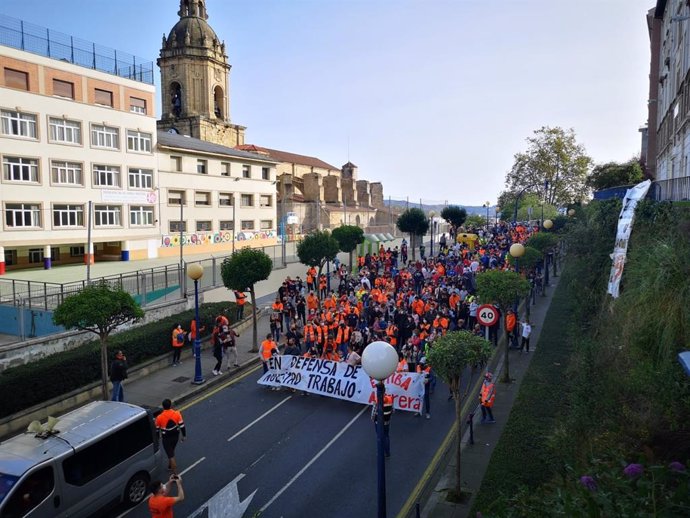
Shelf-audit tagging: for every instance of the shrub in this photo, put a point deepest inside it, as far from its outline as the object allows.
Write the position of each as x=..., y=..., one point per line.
x=27, y=385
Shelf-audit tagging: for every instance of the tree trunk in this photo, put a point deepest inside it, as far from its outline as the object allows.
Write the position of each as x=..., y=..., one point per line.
x=255, y=343
x=350, y=259
x=104, y=367
x=506, y=375
x=458, y=450
x=412, y=254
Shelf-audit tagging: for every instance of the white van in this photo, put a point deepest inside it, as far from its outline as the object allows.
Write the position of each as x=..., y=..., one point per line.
x=99, y=454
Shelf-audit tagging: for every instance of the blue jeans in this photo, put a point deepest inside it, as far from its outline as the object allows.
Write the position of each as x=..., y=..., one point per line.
x=118, y=393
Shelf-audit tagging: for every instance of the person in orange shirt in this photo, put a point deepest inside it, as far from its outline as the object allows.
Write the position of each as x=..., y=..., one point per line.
x=312, y=302
x=268, y=348
x=160, y=504
x=323, y=291
x=177, y=342
x=240, y=301
x=311, y=279
x=511, y=328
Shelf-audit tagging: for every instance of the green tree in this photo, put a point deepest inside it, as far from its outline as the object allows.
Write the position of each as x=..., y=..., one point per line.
x=455, y=216
x=348, y=237
x=553, y=155
x=100, y=309
x=502, y=287
x=318, y=248
x=241, y=271
x=614, y=174
x=450, y=357
x=527, y=201
x=414, y=222
x=529, y=260
x=475, y=221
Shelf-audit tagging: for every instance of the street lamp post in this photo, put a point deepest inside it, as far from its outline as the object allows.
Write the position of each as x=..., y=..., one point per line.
x=195, y=272
x=516, y=251
x=548, y=224
x=498, y=211
x=486, y=206
x=432, y=214
x=379, y=361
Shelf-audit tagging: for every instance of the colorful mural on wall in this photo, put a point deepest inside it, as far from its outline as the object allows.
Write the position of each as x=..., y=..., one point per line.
x=210, y=238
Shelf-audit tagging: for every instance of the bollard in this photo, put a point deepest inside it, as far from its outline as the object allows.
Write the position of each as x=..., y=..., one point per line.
x=470, y=421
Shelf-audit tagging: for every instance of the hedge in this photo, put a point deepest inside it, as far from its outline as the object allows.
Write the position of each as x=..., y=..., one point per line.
x=27, y=385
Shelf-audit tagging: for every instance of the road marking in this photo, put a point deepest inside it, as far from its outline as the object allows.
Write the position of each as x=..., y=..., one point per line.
x=313, y=460
x=193, y=465
x=216, y=390
x=275, y=407
x=226, y=502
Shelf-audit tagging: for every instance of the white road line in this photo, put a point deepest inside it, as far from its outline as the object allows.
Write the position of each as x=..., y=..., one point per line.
x=193, y=465
x=182, y=473
x=258, y=419
x=313, y=460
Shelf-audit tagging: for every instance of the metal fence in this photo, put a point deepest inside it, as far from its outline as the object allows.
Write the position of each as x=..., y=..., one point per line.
x=45, y=42
x=147, y=286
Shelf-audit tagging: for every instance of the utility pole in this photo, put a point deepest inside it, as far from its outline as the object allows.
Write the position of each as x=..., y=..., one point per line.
x=89, y=253
x=234, y=221
x=182, y=290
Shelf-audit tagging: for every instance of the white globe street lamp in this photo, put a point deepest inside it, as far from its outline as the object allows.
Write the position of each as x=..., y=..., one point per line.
x=379, y=360
x=195, y=272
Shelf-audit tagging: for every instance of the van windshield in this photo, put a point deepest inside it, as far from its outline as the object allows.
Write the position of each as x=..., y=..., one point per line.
x=7, y=482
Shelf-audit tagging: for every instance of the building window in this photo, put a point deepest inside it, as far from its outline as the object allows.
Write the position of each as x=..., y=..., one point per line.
x=16, y=79
x=140, y=178
x=138, y=141
x=226, y=225
x=107, y=216
x=66, y=173
x=266, y=200
x=176, y=198
x=247, y=200
x=137, y=105
x=176, y=163
x=266, y=224
x=204, y=226
x=63, y=130
x=35, y=255
x=10, y=257
x=225, y=199
x=202, y=166
x=247, y=224
x=202, y=199
x=106, y=176
x=18, y=169
x=22, y=215
x=18, y=124
x=225, y=168
x=141, y=216
x=265, y=173
x=55, y=253
x=63, y=89
x=76, y=251
x=177, y=226
x=105, y=137
x=68, y=216
x=246, y=171
x=103, y=97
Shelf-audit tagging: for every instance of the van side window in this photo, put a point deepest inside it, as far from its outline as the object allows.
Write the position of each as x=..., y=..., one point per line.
x=94, y=460
x=31, y=492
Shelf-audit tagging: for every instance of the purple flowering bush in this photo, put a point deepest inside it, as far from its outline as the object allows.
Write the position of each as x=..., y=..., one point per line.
x=608, y=490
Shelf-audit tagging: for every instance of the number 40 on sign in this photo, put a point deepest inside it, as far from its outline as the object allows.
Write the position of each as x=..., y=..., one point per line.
x=487, y=315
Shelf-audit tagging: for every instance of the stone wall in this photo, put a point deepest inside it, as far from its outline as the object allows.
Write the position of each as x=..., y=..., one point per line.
x=376, y=190
x=331, y=189
x=313, y=188
x=363, y=193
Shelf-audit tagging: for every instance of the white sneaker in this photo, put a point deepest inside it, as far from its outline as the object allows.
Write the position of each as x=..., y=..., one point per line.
x=428, y=416
x=215, y=372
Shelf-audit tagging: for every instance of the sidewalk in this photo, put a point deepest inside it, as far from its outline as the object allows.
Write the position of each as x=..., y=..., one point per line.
x=476, y=457
x=149, y=389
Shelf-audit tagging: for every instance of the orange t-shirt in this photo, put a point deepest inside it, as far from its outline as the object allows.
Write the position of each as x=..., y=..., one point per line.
x=161, y=506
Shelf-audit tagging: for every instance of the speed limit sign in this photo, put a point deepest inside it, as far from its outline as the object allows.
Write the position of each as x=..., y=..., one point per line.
x=487, y=315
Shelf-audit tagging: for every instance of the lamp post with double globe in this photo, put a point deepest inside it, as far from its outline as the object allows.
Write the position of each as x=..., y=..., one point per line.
x=379, y=360
x=432, y=215
x=195, y=272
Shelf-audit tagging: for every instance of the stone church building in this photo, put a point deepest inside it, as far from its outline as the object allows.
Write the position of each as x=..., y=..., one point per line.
x=195, y=91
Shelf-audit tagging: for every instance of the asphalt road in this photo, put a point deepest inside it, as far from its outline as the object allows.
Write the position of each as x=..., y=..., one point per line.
x=297, y=455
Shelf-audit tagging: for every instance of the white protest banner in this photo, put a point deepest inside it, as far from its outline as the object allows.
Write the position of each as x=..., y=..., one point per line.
x=342, y=381
x=625, y=223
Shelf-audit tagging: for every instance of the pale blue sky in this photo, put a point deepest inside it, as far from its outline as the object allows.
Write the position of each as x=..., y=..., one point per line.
x=434, y=96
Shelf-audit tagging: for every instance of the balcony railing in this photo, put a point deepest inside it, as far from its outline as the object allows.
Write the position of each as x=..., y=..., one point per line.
x=56, y=45
x=675, y=189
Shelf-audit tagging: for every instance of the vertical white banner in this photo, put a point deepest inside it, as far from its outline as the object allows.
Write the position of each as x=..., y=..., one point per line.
x=625, y=223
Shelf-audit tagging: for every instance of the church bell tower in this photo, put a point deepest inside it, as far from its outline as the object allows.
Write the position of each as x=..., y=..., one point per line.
x=195, y=80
